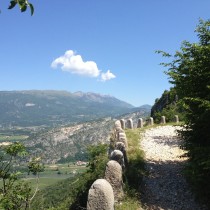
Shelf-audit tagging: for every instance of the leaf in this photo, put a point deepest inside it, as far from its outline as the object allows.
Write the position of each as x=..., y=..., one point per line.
x=164, y=54
x=12, y=4
x=20, y=197
x=32, y=8
x=23, y=8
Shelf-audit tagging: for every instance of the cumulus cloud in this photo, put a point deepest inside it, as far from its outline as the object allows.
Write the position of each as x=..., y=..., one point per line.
x=107, y=76
x=73, y=63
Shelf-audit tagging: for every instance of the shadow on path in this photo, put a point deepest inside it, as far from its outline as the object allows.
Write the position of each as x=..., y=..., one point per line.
x=171, y=141
x=166, y=188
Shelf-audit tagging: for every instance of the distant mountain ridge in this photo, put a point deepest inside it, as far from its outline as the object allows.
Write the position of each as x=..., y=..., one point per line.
x=51, y=107
x=145, y=107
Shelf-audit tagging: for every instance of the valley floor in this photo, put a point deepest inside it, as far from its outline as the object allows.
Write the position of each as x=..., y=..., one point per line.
x=165, y=187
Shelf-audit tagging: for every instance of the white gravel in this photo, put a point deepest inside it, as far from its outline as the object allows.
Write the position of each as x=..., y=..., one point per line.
x=165, y=187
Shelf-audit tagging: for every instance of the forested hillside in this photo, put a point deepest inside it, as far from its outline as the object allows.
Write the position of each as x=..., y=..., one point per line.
x=168, y=105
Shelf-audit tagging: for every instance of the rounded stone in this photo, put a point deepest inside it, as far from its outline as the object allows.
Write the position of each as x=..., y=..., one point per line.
x=113, y=175
x=118, y=156
x=100, y=196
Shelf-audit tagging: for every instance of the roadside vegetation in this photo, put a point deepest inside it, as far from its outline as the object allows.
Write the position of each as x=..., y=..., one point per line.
x=72, y=193
x=168, y=105
x=189, y=72
x=134, y=172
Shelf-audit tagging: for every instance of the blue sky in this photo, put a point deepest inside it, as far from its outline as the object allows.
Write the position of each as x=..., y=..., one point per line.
x=102, y=46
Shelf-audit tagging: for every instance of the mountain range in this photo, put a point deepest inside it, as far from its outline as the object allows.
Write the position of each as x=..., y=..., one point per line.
x=52, y=108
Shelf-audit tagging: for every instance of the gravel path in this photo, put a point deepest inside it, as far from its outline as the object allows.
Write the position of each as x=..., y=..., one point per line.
x=165, y=186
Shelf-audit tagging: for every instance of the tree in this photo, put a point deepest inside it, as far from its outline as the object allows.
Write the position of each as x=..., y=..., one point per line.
x=23, y=5
x=189, y=72
x=72, y=193
x=16, y=194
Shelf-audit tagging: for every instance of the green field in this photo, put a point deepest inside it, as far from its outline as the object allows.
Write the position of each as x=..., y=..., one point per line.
x=53, y=174
x=12, y=138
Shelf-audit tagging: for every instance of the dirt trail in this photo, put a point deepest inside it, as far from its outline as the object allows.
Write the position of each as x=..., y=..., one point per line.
x=165, y=187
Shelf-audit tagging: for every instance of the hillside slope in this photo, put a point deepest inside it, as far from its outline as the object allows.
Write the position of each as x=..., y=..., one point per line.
x=68, y=143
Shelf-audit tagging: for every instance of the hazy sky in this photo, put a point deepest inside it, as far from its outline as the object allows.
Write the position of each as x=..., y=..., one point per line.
x=102, y=46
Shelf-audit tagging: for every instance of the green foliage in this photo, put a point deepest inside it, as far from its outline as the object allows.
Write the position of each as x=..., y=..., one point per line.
x=15, y=195
x=133, y=173
x=135, y=169
x=189, y=71
x=97, y=163
x=55, y=194
x=36, y=166
x=23, y=5
x=130, y=202
x=169, y=112
x=96, y=156
x=82, y=156
x=15, y=149
x=72, y=193
x=168, y=105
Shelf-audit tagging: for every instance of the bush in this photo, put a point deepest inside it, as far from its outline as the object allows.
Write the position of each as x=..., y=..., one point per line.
x=72, y=193
x=189, y=71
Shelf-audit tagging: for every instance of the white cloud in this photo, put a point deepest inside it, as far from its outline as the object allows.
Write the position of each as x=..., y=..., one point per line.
x=74, y=63
x=107, y=76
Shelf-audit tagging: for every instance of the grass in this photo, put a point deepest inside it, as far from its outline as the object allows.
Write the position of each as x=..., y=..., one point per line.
x=129, y=203
x=134, y=172
x=44, y=181
x=54, y=173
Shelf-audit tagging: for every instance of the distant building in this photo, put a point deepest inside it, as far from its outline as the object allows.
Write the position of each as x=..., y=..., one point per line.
x=81, y=163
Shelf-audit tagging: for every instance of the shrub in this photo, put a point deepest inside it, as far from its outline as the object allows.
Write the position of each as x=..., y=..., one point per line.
x=189, y=71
